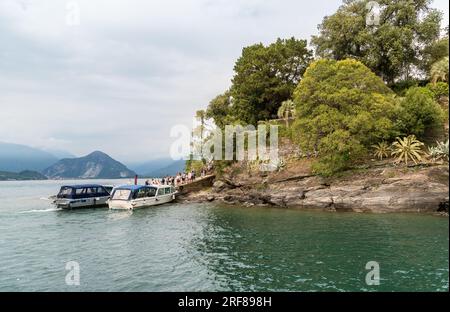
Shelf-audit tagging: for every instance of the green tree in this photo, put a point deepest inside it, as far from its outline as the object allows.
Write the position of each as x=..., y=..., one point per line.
x=200, y=115
x=219, y=109
x=392, y=49
x=419, y=112
x=265, y=76
x=286, y=110
x=342, y=109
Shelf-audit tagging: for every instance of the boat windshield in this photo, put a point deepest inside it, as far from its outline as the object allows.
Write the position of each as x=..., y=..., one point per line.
x=121, y=194
x=108, y=188
x=65, y=192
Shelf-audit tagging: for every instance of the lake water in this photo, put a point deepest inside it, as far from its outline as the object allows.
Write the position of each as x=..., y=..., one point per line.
x=206, y=247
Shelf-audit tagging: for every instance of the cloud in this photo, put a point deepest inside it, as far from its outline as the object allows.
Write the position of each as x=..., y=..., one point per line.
x=131, y=69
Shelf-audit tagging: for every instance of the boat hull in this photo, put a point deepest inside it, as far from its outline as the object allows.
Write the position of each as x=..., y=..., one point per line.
x=140, y=203
x=81, y=203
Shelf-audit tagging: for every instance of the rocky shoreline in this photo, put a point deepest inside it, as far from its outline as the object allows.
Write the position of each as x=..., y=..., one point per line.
x=379, y=190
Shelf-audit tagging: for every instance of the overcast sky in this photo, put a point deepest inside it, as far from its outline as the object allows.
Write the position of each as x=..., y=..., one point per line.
x=131, y=69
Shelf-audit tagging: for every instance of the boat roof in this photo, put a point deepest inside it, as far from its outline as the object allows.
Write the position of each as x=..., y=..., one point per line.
x=82, y=185
x=131, y=187
x=137, y=187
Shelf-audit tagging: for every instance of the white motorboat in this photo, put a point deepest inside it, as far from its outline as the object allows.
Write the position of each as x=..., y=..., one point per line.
x=129, y=197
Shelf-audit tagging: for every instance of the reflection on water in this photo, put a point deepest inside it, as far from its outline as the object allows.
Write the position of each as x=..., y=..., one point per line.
x=115, y=215
x=271, y=249
x=208, y=247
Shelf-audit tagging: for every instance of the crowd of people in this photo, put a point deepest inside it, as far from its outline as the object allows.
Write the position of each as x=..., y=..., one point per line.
x=179, y=179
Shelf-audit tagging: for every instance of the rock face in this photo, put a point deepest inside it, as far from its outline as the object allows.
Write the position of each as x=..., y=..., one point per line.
x=96, y=165
x=420, y=189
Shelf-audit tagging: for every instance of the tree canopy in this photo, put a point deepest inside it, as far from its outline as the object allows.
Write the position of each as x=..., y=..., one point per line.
x=394, y=49
x=342, y=108
x=265, y=76
x=219, y=109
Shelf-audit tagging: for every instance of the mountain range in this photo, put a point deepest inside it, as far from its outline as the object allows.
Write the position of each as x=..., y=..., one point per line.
x=16, y=158
x=96, y=165
x=21, y=162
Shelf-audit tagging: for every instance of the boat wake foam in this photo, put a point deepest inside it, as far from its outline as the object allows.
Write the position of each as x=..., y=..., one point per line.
x=41, y=210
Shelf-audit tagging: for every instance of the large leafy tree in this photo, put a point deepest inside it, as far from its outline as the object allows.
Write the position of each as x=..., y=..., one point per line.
x=394, y=48
x=265, y=76
x=219, y=109
x=342, y=108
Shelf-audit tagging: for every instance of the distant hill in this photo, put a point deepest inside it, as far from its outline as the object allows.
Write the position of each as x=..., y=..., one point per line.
x=158, y=167
x=24, y=175
x=144, y=168
x=16, y=158
x=171, y=169
x=96, y=165
x=60, y=154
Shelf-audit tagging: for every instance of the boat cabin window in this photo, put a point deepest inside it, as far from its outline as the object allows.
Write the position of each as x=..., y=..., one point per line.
x=151, y=192
x=121, y=194
x=161, y=192
x=141, y=193
x=144, y=192
x=82, y=192
x=91, y=191
x=167, y=190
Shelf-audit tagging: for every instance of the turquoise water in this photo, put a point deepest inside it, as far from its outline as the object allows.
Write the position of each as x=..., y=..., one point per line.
x=205, y=247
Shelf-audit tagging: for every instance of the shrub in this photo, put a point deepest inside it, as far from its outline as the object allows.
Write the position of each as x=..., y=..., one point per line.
x=438, y=89
x=419, y=112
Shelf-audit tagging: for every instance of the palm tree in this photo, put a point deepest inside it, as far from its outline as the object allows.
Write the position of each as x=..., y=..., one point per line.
x=199, y=132
x=382, y=150
x=286, y=110
x=408, y=148
x=439, y=70
x=200, y=115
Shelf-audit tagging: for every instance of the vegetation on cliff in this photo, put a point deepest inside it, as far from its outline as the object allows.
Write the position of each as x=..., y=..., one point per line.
x=370, y=87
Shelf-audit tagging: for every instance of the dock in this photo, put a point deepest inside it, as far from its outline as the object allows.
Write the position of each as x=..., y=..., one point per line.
x=196, y=185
